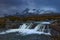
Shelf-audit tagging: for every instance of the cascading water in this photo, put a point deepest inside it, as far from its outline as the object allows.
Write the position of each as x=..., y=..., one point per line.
x=30, y=25
x=24, y=26
x=48, y=29
x=38, y=27
x=24, y=29
x=43, y=28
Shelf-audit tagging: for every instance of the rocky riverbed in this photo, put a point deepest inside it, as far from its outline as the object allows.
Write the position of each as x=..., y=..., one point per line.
x=16, y=36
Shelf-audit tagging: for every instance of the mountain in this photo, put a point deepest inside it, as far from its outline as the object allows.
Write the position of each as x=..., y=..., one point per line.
x=34, y=12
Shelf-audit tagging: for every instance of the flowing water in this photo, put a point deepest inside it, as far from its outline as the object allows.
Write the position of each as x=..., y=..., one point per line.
x=24, y=29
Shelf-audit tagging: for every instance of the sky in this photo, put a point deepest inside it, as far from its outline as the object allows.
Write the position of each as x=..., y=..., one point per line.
x=13, y=6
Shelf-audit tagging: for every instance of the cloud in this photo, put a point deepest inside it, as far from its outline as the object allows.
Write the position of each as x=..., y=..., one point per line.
x=48, y=8
x=11, y=6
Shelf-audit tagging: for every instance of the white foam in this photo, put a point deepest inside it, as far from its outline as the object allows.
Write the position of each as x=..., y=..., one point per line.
x=23, y=30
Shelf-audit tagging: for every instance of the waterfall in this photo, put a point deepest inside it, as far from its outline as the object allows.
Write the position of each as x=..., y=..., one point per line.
x=43, y=28
x=30, y=25
x=48, y=29
x=38, y=27
x=24, y=26
x=24, y=29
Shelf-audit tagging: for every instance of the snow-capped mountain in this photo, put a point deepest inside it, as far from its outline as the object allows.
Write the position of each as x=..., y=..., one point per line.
x=35, y=12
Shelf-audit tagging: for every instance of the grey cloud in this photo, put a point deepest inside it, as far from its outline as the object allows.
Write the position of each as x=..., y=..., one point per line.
x=11, y=6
